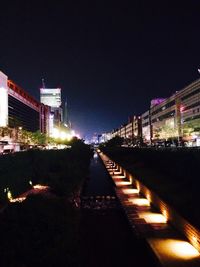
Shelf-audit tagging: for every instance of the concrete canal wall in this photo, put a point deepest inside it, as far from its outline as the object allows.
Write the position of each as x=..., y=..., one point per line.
x=187, y=229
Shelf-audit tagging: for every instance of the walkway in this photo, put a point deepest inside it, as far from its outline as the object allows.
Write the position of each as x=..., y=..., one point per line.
x=170, y=248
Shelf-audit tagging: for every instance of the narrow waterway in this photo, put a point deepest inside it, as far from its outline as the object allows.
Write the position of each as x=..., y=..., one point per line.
x=99, y=183
x=106, y=238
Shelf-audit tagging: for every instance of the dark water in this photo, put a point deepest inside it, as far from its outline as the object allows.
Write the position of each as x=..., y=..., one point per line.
x=99, y=183
x=106, y=238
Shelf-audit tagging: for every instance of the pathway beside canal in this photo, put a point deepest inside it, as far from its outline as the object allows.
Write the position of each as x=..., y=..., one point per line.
x=106, y=238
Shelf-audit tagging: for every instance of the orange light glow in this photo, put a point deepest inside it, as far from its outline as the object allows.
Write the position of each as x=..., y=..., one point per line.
x=140, y=201
x=130, y=191
x=148, y=196
x=118, y=176
x=175, y=249
x=151, y=217
x=117, y=173
x=138, y=186
x=165, y=214
x=41, y=187
x=18, y=199
x=122, y=183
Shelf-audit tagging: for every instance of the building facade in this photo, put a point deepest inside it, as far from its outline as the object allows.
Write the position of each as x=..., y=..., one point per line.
x=146, y=127
x=20, y=109
x=175, y=118
x=52, y=98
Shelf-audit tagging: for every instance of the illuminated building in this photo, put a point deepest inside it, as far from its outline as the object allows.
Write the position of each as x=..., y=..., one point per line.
x=164, y=119
x=131, y=131
x=20, y=109
x=146, y=127
x=52, y=98
x=176, y=118
x=23, y=110
x=105, y=137
x=133, y=128
x=188, y=112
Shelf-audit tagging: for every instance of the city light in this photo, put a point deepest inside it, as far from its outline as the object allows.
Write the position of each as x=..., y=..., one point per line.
x=151, y=217
x=63, y=135
x=18, y=199
x=122, y=183
x=130, y=191
x=55, y=133
x=3, y=107
x=40, y=187
x=140, y=201
x=176, y=249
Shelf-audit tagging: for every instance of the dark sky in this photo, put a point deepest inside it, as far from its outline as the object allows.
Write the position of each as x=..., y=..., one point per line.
x=110, y=58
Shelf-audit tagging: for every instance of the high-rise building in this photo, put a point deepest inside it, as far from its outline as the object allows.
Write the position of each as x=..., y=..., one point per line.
x=66, y=115
x=52, y=98
x=19, y=110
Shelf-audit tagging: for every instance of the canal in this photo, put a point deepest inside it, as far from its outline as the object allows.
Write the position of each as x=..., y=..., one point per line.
x=106, y=238
x=99, y=183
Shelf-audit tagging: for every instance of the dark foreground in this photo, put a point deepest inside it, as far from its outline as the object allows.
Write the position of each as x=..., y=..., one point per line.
x=107, y=240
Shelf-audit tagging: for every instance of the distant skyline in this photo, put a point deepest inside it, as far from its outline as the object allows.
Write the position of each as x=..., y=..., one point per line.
x=109, y=58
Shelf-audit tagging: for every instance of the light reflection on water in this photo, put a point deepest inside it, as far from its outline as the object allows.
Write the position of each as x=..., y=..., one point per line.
x=95, y=155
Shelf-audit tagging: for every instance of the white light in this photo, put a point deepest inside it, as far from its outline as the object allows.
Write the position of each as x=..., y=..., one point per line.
x=55, y=133
x=63, y=135
x=3, y=107
x=68, y=136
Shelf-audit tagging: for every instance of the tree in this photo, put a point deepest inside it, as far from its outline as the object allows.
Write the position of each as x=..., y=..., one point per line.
x=39, y=138
x=115, y=141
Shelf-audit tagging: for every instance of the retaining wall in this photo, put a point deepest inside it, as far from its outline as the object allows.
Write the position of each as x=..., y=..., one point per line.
x=187, y=229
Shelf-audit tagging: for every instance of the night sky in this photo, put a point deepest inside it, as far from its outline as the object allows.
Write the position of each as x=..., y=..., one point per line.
x=110, y=58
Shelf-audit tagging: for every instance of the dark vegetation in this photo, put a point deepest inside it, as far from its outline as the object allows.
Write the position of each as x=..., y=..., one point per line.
x=43, y=230
x=62, y=170
x=116, y=141
x=171, y=173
